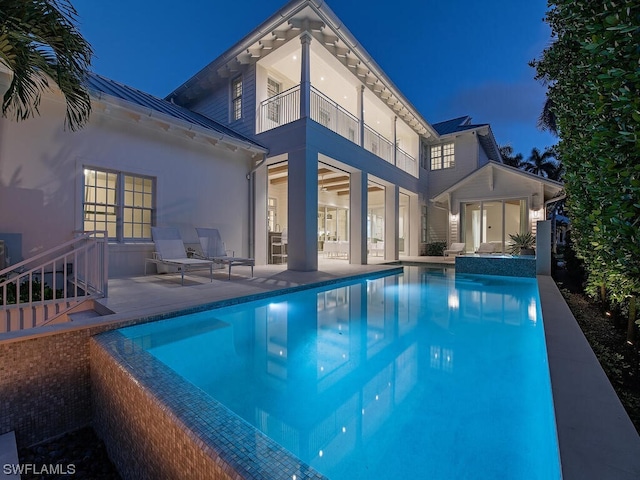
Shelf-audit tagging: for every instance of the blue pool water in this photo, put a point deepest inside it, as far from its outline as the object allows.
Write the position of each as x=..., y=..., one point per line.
x=419, y=375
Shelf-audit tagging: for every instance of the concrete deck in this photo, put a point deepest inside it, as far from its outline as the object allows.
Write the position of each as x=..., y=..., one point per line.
x=155, y=294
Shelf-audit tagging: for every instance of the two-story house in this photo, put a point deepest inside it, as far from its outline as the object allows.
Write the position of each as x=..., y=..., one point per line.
x=293, y=143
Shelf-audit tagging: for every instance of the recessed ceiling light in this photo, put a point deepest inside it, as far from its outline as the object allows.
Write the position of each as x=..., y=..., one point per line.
x=295, y=57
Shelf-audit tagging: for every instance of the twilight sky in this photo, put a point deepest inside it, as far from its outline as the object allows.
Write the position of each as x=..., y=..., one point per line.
x=449, y=57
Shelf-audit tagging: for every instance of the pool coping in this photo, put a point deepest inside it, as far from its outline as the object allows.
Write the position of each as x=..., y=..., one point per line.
x=595, y=435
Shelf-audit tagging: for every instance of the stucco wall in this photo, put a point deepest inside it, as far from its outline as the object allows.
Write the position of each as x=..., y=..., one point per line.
x=41, y=176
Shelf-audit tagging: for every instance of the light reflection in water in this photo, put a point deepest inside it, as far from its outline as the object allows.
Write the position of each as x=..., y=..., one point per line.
x=385, y=375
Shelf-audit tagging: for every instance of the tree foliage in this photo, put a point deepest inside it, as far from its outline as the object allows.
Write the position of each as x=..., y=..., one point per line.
x=592, y=73
x=509, y=158
x=39, y=41
x=541, y=164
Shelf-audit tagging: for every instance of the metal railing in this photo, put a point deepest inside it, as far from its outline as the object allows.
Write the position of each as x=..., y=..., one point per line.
x=406, y=162
x=280, y=109
x=36, y=291
x=284, y=108
x=334, y=117
x=377, y=144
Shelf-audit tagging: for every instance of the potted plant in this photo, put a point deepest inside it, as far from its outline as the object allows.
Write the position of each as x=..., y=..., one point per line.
x=522, y=244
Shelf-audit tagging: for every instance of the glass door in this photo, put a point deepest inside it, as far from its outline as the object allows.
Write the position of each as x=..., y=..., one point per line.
x=492, y=222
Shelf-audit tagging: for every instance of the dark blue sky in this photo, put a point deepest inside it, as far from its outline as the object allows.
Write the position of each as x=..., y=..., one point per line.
x=449, y=57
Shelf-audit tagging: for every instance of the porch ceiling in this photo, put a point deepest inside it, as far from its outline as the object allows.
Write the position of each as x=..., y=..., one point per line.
x=327, y=30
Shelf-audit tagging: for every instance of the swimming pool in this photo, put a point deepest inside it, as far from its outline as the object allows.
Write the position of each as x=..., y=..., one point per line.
x=423, y=374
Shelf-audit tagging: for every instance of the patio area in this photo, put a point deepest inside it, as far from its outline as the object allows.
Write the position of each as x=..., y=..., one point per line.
x=164, y=293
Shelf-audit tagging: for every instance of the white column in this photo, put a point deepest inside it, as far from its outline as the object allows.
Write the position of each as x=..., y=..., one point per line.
x=391, y=222
x=302, y=222
x=260, y=226
x=360, y=97
x=305, y=76
x=395, y=140
x=358, y=221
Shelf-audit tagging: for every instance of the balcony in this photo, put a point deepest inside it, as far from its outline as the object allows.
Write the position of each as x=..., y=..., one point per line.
x=284, y=108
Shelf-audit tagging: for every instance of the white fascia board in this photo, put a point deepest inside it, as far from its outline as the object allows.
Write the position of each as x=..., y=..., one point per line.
x=177, y=122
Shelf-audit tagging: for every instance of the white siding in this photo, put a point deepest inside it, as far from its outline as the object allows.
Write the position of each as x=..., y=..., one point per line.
x=466, y=161
x=217, y=104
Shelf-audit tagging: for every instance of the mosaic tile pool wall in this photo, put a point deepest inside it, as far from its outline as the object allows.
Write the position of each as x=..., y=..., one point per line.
x=156, y=425
x=45, y=386
x=497, y=265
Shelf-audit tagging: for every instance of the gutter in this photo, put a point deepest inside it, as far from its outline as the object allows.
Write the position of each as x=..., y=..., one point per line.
x=188, y=126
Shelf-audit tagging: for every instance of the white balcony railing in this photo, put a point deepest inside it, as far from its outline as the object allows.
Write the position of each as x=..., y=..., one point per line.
x=284, y=108
x=377, y=144
x=280, y=109
x=406, y=162
x=331, y=115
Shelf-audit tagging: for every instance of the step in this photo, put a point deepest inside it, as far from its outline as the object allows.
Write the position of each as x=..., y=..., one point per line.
x=83, y=315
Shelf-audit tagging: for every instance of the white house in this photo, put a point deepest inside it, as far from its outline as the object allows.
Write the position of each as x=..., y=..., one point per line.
x=295, y=128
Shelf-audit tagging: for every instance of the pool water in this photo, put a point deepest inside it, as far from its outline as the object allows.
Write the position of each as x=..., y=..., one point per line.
x=425, y=374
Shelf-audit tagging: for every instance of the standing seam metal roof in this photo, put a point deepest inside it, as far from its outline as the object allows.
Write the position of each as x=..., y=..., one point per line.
x=98, y=83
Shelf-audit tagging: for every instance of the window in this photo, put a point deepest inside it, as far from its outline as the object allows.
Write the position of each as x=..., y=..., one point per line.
x=273, y=89
x=236, y=99
x=324, y=117
x=120, y=203
x=423, y=225
x=442, y=156
x=272, y=216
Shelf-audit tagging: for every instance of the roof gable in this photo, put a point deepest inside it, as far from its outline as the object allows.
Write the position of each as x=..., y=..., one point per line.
x=294, y=18
x=551, y=187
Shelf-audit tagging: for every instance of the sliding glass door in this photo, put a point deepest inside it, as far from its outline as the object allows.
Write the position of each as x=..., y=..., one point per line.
x=492, y=222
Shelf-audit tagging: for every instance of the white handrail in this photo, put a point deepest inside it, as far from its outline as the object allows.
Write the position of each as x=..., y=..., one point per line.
x=80, y=263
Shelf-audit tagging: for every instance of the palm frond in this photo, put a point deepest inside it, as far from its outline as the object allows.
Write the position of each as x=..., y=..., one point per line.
x=39, y=40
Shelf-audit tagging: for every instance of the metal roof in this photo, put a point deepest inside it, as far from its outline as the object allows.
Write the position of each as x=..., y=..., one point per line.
x=100, y=84
x=454, y=125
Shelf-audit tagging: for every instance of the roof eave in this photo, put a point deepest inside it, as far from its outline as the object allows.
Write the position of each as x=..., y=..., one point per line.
x=190, y=129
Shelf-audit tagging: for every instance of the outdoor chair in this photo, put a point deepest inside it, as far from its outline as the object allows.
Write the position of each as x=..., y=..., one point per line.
x=486, y=248
x=279, y=246
x=213, y=249
x=170, y=251
x=455, y=249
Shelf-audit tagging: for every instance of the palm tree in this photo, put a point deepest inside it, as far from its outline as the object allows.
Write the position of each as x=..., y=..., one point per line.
x=39, y=42
x=541, y=164
x=547, y=120
x=508, y=158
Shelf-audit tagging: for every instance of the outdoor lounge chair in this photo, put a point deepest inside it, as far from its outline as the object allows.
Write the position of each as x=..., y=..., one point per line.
x=455, y=249
x=170, y=251
x=213, y=249
x=485, y=248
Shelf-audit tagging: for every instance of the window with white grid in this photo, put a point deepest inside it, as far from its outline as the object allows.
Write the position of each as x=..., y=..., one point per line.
x=442, y=156
x=120, y=203
x=236, y=99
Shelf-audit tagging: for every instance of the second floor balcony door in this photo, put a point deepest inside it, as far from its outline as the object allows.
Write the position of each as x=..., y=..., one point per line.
x=273, y=88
